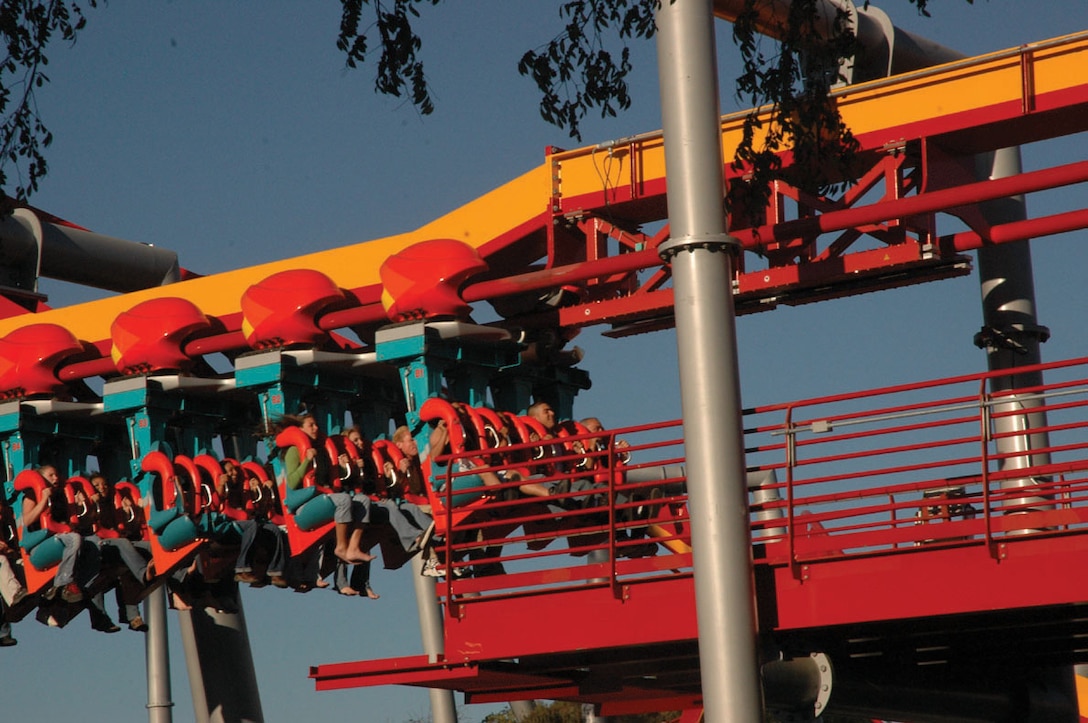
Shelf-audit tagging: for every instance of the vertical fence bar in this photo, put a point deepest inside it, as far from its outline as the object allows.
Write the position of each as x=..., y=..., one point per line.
x=790, y=517
x=984, y=421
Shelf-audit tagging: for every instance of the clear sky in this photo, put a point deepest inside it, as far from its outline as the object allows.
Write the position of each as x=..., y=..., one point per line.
x=233, y=134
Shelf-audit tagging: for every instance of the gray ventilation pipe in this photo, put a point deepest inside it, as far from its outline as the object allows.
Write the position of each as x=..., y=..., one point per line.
x=31, y=248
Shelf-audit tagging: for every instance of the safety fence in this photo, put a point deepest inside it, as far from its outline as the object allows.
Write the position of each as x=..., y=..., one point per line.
x=980, y=460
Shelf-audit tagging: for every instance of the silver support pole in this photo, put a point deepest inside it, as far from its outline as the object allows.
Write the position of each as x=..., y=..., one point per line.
x=157, y=653
x=192, y=666
x=220, y=664
x=443, y=709
x=701, y=251
x=1011, y=333
x=594, y=557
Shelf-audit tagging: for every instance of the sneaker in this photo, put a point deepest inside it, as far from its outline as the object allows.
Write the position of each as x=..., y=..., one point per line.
x=432, y=568
x=278, y=580
x=71, y=593
x=106, y=626
x=7, y=641
x=137, y=625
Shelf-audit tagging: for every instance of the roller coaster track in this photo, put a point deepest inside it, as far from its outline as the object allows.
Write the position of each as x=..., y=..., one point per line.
x=573, y=243
x=576, y=227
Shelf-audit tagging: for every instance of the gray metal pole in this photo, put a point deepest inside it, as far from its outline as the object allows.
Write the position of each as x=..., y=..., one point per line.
x=192, y=666
x=157, y=652
x=1011, y=333
x=443, y=709
x=220, y=664
x=700, y=252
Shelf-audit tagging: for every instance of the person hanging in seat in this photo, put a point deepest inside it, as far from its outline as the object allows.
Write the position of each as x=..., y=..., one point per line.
x=483, y=558
x=545, y=429
x=12, y=588
x=412, y=525
x=514, y=467
x=101, y=527
x=358, y=478
x=600, y=444
x=260, y=502
x=84, y=522
x=405, y=475
x=50, y=503
x=351, y=515
x=542, y=426
x=598, y=460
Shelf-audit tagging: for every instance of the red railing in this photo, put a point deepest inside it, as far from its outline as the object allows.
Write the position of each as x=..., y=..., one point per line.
x=891, y=471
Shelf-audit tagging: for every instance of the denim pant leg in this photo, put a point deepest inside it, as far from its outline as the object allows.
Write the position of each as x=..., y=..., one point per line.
x=360, y=576
x=132, y=559
x=406, y=530
x=126, y=612
x=88, y=563
x=340, y=576
x=249, y=536
x=278, y=561
x=66, y=570
x=420, y=518
x=360, y=507
x=343, y=507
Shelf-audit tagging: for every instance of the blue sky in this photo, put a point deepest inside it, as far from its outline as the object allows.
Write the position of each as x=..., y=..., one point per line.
x=233, y=134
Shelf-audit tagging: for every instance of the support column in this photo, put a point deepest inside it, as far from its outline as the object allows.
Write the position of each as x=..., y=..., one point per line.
x=443, y=709
x=1011, y=334
x=220, y=664
x=701, y=254
x=157, y=652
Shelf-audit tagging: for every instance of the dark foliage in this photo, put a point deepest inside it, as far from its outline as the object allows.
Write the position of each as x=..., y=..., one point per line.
x=583, y=69
x=576, y=71
x=26, y=27
x=564, y=712
x=399, y=69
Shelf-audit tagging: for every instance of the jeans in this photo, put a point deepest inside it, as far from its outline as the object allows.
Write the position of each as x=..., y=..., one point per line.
x=408, y=520
x=250, y=530
x=359, y=579
x=133, y=560
x=350, y=507
x=66, y=570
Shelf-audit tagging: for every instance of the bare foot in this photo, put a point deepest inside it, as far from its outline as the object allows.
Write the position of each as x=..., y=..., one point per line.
x=179, y=602
x=353, y=557
x=349, y=591
x=321, y=584
x=371, y=594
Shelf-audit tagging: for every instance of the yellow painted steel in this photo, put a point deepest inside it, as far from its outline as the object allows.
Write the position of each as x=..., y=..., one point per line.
x=1082, y=695
x=967, y=85
x=351, y=267
x=980, y=82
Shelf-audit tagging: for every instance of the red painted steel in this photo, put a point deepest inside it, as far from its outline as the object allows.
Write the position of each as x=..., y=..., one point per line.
x=885, y=505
